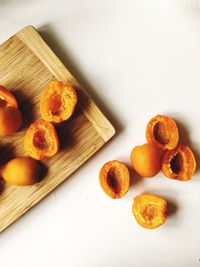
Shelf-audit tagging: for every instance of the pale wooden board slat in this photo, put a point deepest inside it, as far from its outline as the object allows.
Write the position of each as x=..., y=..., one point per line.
x=27, y=64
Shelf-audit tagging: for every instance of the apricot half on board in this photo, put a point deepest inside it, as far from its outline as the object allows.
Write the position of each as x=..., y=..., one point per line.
x=179, y=163
x=114, y=179
x=163, y=132
x=10, y=120
x=21, y=171
x=146, y=160
x=41, y=140
x=58, y=102
x=7, y=98
x=149, y=211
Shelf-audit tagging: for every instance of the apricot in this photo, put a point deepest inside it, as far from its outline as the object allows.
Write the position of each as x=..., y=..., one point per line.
x=149, y=211
x=21, y=171
x=10, y=120
x=114, y=179
x=41, y=140
x=179, y=163
x=7, y=98
x=58, y=101
x=163, y=132
x=146, y=160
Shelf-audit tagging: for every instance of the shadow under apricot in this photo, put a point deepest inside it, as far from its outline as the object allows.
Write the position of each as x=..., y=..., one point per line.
x=2, y=185
x=135, y=178
x=172, y=208
x=184, y=137
x=65, y=131
x=65, y=136
x=7, y=153
x=43, y=172
x=26, y=107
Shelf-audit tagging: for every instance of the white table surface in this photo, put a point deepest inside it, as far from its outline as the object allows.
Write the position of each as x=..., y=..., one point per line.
x=137, y=58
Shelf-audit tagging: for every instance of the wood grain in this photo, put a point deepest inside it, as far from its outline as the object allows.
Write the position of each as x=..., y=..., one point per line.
x=27, y=65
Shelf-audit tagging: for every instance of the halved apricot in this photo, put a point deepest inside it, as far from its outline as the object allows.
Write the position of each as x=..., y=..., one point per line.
x=163, y=132
x=149, y=211
x=58, y=101
x=21, y=171
x=179, y=163
x=7, y=98
x=114, y=179
x=146, y=160
x=10, y=120
x=41, y=140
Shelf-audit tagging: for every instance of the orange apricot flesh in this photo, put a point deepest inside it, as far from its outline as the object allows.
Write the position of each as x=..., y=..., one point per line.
x=150, y=211
x=146, y=160
x=21, y=171
x=179, y=163
x=7, y=98
x=163, y=132
x=41, y=140
x=114, y=179
x=58, y=102
x=10, y=120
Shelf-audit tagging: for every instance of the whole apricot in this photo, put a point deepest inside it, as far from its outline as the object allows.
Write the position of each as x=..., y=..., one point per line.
x=179, y=163
x=21, y=171
x=162, y=131
x=10, y=120
x=146, y=160
x=149, y=211
x=114, y=179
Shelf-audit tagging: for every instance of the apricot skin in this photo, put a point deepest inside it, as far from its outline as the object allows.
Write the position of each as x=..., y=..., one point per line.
x=41, y=140
x=114, y=179
x=10, y=120
x=146, y=160
x=162, y=131
x=58, y=101
x=7, y=98
x=179, y=163
x=149, y=211
x=21, y=171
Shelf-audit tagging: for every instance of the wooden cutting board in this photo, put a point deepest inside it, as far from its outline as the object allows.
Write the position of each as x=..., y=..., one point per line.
x=27, y=65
